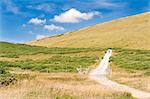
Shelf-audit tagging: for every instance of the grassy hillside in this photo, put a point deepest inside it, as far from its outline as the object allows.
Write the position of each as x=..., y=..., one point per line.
x=67, y=59
x=132, y=59
x=42, y=59
x=17, y=61
x=130, y=32
x=46, y=59
x=131, y=67
x=128, y=65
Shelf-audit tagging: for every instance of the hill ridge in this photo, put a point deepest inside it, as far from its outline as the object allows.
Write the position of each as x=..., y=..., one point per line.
x=127, y=32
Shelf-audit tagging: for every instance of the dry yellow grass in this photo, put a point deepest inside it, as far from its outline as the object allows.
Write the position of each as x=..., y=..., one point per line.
x=133, y=78
x=63, y=85
x=27, y=57
x=129, y=32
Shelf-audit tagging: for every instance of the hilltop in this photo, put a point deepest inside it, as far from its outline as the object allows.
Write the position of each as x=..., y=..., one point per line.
x=129, y=32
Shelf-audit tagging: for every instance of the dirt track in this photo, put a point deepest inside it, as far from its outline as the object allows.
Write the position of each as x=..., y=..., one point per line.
x=99, y=75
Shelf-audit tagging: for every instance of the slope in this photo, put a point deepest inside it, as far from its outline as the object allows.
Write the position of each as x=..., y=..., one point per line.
x=130, y=32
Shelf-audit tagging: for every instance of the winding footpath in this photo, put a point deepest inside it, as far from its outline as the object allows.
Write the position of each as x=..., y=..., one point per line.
x=99, y=75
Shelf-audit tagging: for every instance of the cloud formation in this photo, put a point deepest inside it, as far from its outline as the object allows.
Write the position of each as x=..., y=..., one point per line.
x=37, y=21
x=46, y=7
x=74, y=16
x=53, y=27
x=10, y=6
x=40, y=36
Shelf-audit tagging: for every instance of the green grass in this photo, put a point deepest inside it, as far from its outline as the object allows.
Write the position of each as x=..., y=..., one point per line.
x=60, y=62
x=15, y=50
x=53, y=64
x=124, y=95
x=132, y=59
x=3, y=70
x=37, y=94
x=147, y=73
x=63, y=62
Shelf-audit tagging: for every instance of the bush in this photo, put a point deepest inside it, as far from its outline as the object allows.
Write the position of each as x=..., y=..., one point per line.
x=124, y=95
x=2, y=70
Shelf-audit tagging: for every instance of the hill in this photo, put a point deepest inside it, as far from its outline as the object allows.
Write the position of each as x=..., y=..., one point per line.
x=46, y=59
x=129, y=32
x=31, y=72
x=129, y=66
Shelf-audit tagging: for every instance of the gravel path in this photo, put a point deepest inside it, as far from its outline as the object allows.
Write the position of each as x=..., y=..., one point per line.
x=99, y=75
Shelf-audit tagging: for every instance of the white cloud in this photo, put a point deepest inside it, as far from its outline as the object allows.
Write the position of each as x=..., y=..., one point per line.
x=11, y=7
x=37, y=21
x=40, y=36
x=53, y=27
x=46, y=7
x=74, y=16
x=30, y=32
x=24, y=25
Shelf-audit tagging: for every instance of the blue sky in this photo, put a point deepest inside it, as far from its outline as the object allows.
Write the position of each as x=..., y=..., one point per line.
x=26, y=20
